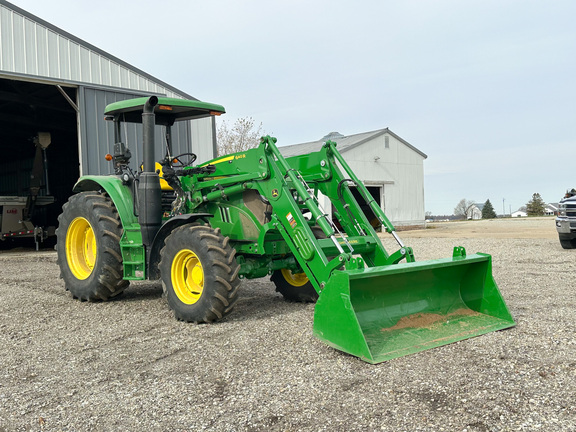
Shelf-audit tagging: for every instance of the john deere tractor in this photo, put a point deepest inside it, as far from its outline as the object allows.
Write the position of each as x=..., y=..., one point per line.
x=201, y=228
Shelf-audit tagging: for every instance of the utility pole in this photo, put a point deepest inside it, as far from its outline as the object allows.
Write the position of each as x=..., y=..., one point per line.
x=503, y=207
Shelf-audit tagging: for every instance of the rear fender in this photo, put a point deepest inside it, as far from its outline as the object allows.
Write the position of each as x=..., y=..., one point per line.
x=120, y=194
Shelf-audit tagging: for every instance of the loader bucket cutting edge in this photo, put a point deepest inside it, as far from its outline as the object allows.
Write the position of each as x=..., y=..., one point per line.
x=381, y=313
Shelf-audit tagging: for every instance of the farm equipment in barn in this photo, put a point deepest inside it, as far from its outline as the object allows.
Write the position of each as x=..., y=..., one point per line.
x=201, y=228
x=25, y=216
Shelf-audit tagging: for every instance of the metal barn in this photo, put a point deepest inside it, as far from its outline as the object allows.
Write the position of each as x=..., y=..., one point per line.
x=391, y=169
x=53, y=90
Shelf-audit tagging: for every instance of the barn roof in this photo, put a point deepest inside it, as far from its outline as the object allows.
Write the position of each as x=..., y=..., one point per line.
x=34, y=48
x=345, y=143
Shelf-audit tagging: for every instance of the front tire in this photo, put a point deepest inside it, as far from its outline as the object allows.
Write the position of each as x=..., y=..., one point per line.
x=297, y=287
x=568, y=244
x=199, y=274
x=88, y=244
x=294, y=287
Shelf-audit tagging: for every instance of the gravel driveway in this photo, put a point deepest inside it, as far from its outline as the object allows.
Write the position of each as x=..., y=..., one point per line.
x=127, y=365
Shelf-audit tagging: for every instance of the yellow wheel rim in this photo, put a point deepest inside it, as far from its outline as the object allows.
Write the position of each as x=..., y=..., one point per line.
x=295, y=279
x=81, y=248
x=187, y=276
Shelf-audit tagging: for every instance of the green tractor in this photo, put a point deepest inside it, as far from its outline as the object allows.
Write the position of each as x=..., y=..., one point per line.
x=201, y=228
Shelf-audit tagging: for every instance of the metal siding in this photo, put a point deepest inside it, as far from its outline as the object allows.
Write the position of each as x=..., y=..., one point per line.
x=85, y=68
x=52, y=44
x=42, y=51
x=19, y=44
x=178, y=141
x=142, y=84
x=64, y=58
x=98, y=134
x=7, y=38
x=88, y=126
x=75, y=63
x=124, y=77
x=114, y=75
x=202, y=139
x=133, y=80
x=94, y=60
x=30, y=49
x=104, y=71
x=181, y=139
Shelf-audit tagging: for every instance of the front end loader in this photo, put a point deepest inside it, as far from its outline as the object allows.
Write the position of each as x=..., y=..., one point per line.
x=200, y=228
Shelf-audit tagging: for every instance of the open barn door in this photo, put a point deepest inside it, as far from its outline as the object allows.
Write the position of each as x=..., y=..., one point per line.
x=39, y=156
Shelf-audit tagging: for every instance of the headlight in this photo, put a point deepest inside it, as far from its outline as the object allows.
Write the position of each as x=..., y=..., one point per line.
x=562, y=210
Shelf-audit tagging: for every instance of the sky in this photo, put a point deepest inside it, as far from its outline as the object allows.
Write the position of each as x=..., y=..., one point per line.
x=486, y=89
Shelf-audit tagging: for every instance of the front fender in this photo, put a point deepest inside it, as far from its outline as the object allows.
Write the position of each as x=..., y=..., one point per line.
x=120, y=194
x=165, y=230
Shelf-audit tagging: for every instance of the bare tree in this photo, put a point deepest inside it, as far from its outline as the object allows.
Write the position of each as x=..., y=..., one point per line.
x=242, y=136
x=463, y=208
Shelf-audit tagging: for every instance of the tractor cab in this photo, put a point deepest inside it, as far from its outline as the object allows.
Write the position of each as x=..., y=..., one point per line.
x=166, y=112
x=157, y=183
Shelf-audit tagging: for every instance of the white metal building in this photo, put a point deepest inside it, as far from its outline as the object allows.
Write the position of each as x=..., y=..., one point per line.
x=391, y=168
x=54, y=83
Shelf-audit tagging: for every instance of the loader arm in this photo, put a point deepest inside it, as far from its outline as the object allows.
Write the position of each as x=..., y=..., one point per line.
x=291, y=187
x=265, y=170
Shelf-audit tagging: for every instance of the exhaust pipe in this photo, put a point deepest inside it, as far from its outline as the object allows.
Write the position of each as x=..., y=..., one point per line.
x=148, y=124
x=149, y=191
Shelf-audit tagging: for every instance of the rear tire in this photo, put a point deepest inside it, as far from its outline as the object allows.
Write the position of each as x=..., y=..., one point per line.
x=88, y=244
x=199, y=273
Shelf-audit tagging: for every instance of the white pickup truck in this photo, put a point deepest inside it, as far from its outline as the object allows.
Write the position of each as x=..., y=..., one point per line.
x=566, y=220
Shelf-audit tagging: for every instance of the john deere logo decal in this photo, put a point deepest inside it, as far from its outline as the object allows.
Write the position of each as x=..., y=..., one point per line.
x=275, y=193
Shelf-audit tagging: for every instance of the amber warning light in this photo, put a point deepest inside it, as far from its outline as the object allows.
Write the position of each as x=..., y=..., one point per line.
x=165, y=107
x=108, y=157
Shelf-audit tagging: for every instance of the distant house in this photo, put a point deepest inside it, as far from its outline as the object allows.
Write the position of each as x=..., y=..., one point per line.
x=551, y=209
x=391, y=169
x=475, y=211
x=519, y=213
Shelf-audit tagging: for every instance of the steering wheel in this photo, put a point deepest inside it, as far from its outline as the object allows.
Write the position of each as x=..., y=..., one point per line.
x=183, y=160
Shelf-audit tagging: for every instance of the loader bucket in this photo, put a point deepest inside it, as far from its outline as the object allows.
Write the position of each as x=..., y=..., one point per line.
x=381, y=313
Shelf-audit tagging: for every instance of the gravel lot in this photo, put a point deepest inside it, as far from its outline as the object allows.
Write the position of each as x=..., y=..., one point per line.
x=128, y=365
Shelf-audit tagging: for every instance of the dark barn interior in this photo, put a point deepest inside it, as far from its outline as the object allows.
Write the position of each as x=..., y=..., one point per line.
x=27, y=168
